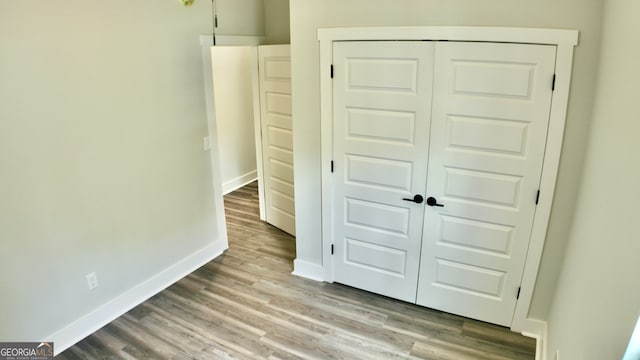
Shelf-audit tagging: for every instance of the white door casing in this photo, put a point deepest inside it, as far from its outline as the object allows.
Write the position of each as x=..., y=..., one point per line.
x=275, y=131
x=563, y=40
x=382, y=98
x=489, y=127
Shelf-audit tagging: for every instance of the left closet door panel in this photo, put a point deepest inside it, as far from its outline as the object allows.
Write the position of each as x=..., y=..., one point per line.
x=382, y=107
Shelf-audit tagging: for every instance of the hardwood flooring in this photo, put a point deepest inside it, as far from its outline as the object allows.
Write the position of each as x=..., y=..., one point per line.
x=247, y=305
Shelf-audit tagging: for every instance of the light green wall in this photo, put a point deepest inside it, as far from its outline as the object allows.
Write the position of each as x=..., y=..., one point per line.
x=598, y=297
x=276, y=14
x=309, y=15
x=233, y=98
x=240, y=17
x=101, y=155
x=268, y=18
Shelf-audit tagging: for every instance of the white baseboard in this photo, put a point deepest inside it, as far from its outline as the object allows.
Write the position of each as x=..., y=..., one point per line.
x=308, y=270
x=235, y=184
x=93, y=321
x=537, y=329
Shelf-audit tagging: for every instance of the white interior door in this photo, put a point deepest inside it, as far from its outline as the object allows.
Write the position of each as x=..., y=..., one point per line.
x=382, y=106
x=274, y=68
x=489, y=125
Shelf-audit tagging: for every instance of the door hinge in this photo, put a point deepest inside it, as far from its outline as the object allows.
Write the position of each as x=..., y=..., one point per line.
x=518, y=294
x=331, y=165
x=331, y=249
x=553, y=83
x=537, y=197
x=215, y=20
x=332, y=71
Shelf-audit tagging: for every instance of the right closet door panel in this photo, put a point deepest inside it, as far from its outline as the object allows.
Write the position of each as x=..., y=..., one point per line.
x=489, y=123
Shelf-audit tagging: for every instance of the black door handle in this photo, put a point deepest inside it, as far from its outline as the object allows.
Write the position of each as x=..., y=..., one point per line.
x=431, y=201
x=418, y=199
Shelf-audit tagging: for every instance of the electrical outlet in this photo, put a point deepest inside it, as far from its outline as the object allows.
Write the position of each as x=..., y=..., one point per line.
x=207, y=143
x=92, y=280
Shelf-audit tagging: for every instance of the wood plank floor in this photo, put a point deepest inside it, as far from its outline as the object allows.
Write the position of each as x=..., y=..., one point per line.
x=247, y=305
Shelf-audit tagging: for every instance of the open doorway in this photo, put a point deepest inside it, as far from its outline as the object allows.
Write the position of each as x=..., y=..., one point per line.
x=238, y=98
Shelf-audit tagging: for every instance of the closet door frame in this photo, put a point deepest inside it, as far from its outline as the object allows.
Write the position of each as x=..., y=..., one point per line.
x=564, y=40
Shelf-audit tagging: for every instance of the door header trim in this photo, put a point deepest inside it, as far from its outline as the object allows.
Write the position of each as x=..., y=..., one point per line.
x=452, y=33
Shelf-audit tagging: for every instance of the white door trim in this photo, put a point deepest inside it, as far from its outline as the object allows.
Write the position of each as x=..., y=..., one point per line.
x=453, y=33
x=565, y=40
x=257, y=130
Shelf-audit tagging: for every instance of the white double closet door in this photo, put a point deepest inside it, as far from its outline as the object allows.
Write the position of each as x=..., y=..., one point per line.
x=460, y=125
